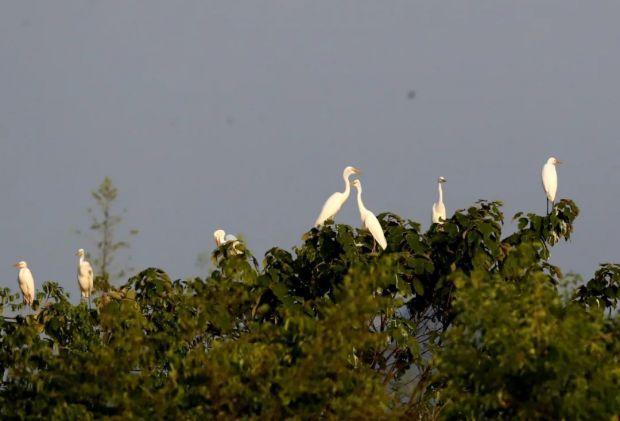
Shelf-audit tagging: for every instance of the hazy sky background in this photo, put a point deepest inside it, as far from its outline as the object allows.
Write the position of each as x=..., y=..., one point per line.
x=242, y=115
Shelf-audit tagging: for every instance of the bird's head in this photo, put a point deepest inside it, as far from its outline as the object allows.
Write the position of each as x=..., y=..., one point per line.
x=357, y=184
x=80, y=253
x=350, y=170
x=219, y=236
x=441, y=180
x=553, y=161
x=21, y=265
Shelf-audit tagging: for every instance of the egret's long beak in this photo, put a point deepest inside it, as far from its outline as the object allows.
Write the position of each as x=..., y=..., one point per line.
x=558, y=162
x=16, y=265
x=356, y=171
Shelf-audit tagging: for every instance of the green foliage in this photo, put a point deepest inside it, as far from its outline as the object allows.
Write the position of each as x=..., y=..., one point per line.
x=426, y=329
x=602, y=291
x=520, y=350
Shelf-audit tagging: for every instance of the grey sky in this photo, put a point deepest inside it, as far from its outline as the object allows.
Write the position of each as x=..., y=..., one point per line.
x=241, y=115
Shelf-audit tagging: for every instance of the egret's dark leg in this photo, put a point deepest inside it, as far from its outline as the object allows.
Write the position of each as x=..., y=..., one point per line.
x=547, y=207
x=374, y=245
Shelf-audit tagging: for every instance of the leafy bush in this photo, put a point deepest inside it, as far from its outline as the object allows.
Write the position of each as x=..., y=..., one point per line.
x=443, y=323
x=520, y=350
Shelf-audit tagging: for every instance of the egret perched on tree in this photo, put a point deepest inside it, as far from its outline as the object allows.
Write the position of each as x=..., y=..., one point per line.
x=26, y=282
x=550, y=180
x=369, y=220
x=439, y=209
x=336, y=200
x=221, y=237
x=84, y=275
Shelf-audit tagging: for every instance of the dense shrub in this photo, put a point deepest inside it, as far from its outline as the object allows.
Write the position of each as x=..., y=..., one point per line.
x=455, y=322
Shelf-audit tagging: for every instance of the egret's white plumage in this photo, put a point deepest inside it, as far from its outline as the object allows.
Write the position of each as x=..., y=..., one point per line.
x=26, y=282
x=84, y=274
x=439, y=209
x=335, y=201
x=550, y=179
x=221, y=237
x=369, y=220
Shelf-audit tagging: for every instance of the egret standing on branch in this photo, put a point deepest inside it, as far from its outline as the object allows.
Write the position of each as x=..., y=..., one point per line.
x=550, y=180
x=336, y=200
x=369, y=220
x=439, y=209
x=84, y=275
x=221, y=237
x=26, y=282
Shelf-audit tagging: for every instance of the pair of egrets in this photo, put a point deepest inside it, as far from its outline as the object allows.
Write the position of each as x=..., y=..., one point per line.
x=222, y=238
x=334, y=203
x=549, y=182
x=84, y=277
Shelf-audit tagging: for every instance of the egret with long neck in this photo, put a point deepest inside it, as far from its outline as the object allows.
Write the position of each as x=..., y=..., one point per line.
x=369, y=220
x=84, y=275
x=550, y=180
x=335, y=201
x=439, y=209
x=219, y=237
x=26, y=282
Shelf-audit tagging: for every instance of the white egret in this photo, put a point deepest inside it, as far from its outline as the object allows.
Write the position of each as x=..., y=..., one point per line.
x=369, y=220
x=26, y=282
x=439, y=209
x=84, y=275
x=550, y=180
x=221, y=237
x=335, y=201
